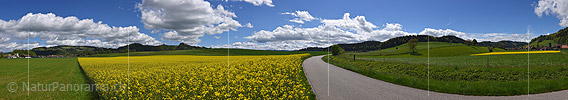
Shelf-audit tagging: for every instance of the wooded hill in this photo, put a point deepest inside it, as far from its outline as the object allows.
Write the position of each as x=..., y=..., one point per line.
x=376, y=45
x=90, y=50
x=560, y=37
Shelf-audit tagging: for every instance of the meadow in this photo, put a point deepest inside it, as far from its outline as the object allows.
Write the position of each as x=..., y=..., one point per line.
x=42, y=71
x=452, y=69
x=200, y=77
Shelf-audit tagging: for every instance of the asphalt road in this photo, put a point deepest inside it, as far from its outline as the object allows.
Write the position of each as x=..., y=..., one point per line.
x=347, y=85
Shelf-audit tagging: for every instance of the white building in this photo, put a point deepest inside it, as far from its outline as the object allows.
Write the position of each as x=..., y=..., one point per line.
x=16, y=55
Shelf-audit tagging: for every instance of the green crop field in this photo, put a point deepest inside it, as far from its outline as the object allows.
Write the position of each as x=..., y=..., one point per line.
x=453, y=70
x=42, y=71
x=402, y=49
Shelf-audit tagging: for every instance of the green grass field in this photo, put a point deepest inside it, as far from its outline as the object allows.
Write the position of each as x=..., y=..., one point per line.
x=403, y=49
x=44, y=71
x=453, y=70
x=210, y=52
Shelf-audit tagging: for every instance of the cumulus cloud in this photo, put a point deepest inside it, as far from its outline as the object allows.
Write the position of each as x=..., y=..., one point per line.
x=331, y=31
x=56, y=30
x=358, y=24
x=347, y=30
x=216, y=37
x=554, y=7
x=494, y=37
x=257, y=2
x=10, y=46
x=442, y=32
x=301, y=16
x=249, y=25
x=265, y=46
x=187, y=20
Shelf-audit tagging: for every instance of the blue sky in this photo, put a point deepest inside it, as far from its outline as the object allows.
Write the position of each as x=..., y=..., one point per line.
x=472, y=17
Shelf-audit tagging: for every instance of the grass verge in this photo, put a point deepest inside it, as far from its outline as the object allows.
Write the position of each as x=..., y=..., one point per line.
x=479, y=81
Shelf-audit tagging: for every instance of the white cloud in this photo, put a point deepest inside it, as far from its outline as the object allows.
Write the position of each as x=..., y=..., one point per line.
x=216, y=37
x=346, y=30
x=187, y=20
x=442, y=32
x=258, y=2
x=495, y=37
x=554, y=7
x=331, y=31
x=358, y=24
x=9, y=47
x=249, y=25
x=393, y=27
x=188, y=39
x=301, y=16
x=265, y=46
x=56, y=30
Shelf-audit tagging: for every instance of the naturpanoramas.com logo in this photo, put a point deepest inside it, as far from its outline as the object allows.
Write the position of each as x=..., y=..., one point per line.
x=55, y=86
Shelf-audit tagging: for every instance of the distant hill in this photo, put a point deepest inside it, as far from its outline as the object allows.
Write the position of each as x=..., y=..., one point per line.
x=313, y=49
x=376, y=45
x=363, y=46
x=91, y=50
x=207, y=52
x=68, y=50
x=140, y=47
x=560, y=37
x=437, y=49
x=393, y=42
x=502, y=44
x=421, y=38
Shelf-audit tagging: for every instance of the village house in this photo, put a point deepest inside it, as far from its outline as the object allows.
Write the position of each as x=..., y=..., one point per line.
x=16, y=55
x=552, y=47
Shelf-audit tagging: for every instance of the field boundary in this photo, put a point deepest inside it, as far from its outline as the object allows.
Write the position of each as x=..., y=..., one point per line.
x=94, y=94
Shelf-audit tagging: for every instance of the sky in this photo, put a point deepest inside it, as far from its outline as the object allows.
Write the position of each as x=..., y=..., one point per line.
x=268, y=24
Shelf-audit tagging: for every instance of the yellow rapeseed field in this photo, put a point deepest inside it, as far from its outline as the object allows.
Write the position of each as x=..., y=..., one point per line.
x=505, y=53
x=198, y=77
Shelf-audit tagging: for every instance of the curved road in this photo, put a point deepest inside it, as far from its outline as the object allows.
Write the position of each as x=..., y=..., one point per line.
x=347, y=85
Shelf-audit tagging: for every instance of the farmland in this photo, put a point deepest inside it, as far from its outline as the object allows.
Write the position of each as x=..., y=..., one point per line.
x=42, y=71
x=200, y=77
x=452, y=69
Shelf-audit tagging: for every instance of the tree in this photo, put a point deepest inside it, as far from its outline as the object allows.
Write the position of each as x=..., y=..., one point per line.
x=467, y=42
x=490, y=49
x=23, y=52
x=336, y=50
x=474, y=42
x=412, y=45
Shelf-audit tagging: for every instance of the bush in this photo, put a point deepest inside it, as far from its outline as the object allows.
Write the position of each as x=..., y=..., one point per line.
x=336, y=50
